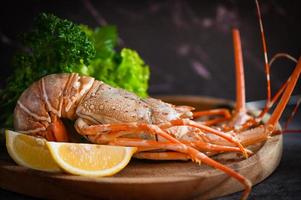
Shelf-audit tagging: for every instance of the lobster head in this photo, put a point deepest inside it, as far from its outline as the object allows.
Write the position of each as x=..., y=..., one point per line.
x=106, y=105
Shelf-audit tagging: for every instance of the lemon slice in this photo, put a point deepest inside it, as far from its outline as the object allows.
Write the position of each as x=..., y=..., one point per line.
x=31, y=152
x=90, y=159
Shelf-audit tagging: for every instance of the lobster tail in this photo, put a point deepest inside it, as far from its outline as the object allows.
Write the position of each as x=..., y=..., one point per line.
x=41, y=106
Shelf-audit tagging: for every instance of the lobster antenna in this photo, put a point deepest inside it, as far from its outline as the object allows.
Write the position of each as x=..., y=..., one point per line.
x=293, y=113
x=239, y=68
x=266, y=62
x=286, y=95
x=281, y=90
x=283, y=86
x=282, y=55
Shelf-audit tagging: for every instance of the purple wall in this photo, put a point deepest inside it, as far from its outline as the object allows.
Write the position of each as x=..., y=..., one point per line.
x=188, y=44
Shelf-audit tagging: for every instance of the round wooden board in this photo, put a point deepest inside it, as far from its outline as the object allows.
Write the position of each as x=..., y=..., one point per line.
x=146, y=179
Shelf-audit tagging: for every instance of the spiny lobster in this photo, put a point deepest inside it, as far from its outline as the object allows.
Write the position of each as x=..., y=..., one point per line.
x=108, y=115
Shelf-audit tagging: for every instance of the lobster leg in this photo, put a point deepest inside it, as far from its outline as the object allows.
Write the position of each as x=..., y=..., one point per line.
x=147, y=145
x=223, y=112
x=108, y=133
x=94, y=130
x=283, y=86
x=162, y=156
x=56, y=131
x=187, y=122
x=286, y=95
x=193, y=153
x=153, y=145
x=248, y=137
x=202, y=146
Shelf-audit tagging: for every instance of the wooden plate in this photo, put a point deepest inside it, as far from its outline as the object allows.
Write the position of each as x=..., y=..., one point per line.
x=146, y=179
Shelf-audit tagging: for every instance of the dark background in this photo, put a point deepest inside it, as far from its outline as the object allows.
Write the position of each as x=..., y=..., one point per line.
x=188, y=45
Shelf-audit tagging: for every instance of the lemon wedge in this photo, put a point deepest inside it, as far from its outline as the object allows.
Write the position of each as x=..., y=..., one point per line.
x=90, y=159
x=29, y=151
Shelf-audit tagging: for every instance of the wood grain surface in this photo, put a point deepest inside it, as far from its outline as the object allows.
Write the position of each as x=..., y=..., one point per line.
x=146, y=179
